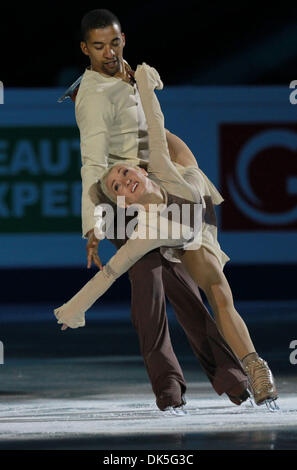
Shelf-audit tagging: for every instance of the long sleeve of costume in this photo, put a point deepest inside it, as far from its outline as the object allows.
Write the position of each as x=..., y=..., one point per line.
x=72, y=313
x=94, y=114
x=147, y=79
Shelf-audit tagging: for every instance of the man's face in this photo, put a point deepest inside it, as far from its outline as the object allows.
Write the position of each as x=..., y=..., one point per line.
x=105, y=46
x=127, y=181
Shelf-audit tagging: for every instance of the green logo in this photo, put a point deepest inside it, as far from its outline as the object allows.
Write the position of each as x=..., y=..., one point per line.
x=40, y=183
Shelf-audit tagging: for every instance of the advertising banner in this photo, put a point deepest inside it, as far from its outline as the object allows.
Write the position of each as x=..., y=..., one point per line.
x=244, y=139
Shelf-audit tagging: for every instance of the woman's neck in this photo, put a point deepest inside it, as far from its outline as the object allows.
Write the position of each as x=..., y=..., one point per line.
x=155, y=196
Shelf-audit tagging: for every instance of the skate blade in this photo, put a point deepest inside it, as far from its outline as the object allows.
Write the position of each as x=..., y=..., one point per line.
x=170, y=411
x=272, y=405
x=251, y=403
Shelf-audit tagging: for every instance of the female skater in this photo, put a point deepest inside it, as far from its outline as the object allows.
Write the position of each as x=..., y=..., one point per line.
x=196, y=245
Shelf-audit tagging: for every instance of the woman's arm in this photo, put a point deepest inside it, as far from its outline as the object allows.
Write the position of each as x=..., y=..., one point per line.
x=179, y=151
x=147, y=79
x=164, y=147
x=72, y=313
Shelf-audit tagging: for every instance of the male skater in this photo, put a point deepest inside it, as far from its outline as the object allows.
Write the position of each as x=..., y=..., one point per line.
x=112, y=127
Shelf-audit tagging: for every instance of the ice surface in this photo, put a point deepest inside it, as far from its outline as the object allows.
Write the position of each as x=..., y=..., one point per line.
x=93, y=415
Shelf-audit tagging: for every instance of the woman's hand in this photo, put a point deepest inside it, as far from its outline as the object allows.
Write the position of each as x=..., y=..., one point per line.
x=68, y=317
x=149, y=76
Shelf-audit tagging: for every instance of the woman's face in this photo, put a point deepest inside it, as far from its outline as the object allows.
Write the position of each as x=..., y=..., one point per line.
x=127, y=181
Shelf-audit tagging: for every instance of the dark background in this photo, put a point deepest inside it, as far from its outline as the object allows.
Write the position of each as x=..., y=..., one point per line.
x=189, y=42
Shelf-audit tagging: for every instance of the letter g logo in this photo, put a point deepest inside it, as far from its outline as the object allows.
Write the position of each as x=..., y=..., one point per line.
x=246, y=200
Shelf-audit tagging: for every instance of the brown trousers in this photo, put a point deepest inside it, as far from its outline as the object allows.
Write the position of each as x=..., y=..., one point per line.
x=153, y=277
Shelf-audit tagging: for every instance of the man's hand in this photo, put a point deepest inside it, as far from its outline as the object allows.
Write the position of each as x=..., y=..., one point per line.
x=92, y=250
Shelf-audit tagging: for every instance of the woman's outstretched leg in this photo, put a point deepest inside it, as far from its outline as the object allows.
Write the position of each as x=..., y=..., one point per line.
x=206, y=271
x=220, y=364
x=210, y=277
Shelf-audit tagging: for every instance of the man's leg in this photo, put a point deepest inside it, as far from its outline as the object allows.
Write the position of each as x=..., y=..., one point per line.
x=148, y=314
x=216, y=357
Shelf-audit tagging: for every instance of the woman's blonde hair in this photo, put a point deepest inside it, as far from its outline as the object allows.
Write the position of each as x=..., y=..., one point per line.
x=103, y=186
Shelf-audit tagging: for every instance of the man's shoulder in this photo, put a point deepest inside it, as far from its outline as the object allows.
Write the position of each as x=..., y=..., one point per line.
x=89, y=87
x=95, y=86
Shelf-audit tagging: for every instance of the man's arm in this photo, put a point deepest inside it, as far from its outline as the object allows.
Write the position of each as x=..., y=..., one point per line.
x=94, y=115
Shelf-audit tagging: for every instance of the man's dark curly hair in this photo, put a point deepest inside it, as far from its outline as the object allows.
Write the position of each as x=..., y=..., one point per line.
x=96, y=19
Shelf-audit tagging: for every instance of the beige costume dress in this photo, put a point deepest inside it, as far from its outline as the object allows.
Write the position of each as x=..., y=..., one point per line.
x=188, y=185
